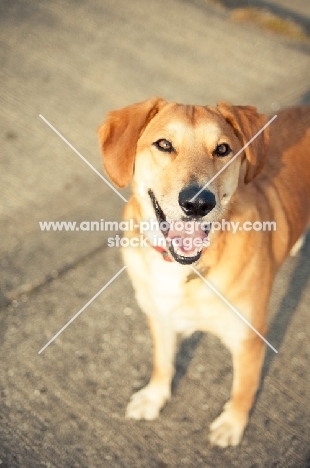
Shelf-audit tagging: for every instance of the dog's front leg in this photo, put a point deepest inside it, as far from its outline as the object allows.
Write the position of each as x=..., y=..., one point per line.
x=228, y=428
x=147, y=403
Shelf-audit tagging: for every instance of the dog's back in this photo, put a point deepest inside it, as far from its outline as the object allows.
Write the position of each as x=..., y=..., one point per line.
x=285, y=178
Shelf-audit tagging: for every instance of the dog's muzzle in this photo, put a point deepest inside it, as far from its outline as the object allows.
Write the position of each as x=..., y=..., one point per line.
x=186, y=239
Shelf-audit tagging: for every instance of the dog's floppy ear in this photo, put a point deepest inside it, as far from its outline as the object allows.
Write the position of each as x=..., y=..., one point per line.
x=246, y=122
x=119, y=135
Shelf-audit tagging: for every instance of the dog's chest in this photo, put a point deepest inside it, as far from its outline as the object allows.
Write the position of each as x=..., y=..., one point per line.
x=174, y=294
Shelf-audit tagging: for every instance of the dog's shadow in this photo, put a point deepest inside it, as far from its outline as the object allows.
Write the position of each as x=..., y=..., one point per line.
x=184, y=357
x=277, y=329
x=288, y=305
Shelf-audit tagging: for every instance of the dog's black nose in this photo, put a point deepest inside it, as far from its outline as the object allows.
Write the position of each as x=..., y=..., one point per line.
x=201, y=205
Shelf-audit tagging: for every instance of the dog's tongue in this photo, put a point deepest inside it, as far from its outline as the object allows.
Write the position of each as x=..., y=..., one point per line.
x=189, y=240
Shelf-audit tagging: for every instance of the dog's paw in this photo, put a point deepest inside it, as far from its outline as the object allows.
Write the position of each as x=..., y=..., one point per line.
x=147, y=403
x=227, y=429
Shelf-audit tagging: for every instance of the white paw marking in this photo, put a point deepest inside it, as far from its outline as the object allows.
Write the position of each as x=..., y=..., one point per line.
x=147, y=403
x=227, y=429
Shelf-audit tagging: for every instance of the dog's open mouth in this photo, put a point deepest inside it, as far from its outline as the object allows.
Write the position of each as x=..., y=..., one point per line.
x=185, y=239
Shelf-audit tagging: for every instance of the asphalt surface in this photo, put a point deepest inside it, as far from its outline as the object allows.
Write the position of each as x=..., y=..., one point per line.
x=297, y=11
x=72, y=62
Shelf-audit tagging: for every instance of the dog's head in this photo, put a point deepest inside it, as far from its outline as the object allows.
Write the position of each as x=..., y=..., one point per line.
x=176, y=155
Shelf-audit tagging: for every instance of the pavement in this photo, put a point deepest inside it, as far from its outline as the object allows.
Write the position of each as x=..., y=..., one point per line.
x=297, y=11
x=72, y=62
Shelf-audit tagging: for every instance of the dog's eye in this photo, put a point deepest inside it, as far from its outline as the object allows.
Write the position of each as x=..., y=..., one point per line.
x=164, y=145
x=222, y=150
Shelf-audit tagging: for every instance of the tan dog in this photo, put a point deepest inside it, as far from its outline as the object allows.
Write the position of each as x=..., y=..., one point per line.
x=171, y=152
